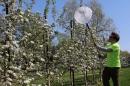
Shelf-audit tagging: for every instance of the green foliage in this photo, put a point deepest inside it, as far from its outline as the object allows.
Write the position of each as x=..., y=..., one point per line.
x=125, y=54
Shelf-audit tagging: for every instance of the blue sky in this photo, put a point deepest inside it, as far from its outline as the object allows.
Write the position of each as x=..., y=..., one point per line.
x=118, y=10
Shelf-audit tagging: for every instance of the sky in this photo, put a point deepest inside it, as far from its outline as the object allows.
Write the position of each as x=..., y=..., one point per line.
x=117, y=10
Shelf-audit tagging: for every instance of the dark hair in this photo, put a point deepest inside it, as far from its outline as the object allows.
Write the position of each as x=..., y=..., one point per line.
x=115, y=36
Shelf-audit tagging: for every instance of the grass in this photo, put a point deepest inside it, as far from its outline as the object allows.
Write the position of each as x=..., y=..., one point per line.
x=125, y=76
x=79, y=80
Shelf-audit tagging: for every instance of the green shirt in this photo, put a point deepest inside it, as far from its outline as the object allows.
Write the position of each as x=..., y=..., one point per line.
x=113, y=58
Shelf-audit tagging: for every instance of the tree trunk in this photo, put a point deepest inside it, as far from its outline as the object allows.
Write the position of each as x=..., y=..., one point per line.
x=49, y=78
x=70, y=75
x=85, y=76
x=73, y=84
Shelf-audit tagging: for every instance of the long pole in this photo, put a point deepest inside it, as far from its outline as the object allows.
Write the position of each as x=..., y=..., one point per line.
x=90, y=31
x=72, y=67
x=100, y=60
x=5, y=65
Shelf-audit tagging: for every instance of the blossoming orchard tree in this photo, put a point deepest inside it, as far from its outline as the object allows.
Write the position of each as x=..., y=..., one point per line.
x=25, y=42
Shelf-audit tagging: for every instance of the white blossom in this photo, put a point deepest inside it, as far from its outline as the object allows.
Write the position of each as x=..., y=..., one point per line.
x=24, y=54
x=38, y=74
x=41, y=46
x=51, y=73
x=32, y=42
x=29, y=34
x=27, y=81
x=10, y=71
x=9, y=79
x=5, y=46
x=42, y=59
